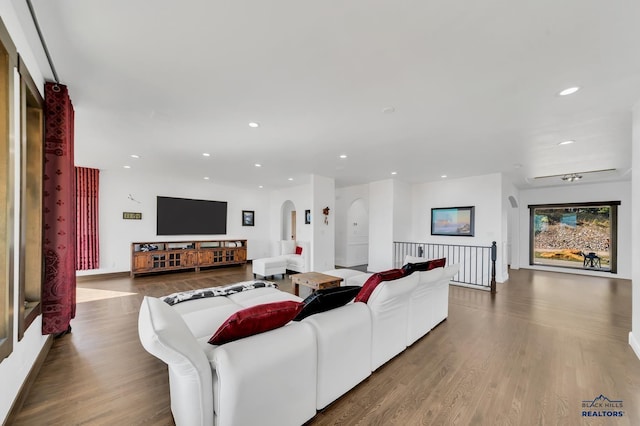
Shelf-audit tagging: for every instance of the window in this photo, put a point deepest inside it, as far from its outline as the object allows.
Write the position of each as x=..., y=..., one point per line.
x=32, y=163
x=577, y=235
x=7, y=69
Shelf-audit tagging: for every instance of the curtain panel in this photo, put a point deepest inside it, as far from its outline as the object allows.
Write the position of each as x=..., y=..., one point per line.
x=59, y=203
x=87, y=241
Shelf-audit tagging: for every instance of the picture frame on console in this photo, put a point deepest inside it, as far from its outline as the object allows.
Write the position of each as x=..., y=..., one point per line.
x=248, y=217
x=453, y=221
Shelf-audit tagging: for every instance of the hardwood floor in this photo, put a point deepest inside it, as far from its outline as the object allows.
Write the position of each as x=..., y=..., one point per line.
x=527, y=356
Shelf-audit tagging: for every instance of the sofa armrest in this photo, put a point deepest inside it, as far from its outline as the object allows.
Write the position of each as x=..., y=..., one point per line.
x=165, y=335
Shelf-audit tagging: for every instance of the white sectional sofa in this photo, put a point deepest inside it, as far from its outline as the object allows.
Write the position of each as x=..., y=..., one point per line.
x=284, y=259
x=311, y=363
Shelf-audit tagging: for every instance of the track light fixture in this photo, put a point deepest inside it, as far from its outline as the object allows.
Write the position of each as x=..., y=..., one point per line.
x=571, y=177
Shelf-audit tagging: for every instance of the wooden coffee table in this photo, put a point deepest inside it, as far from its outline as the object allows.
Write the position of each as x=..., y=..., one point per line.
x=314, y=280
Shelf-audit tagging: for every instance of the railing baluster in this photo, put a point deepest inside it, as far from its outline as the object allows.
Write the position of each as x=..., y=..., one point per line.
x=477, y=263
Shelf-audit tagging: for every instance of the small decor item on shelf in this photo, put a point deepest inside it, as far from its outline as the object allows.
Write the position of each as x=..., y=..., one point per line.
x=325, y=212
x=148, y=247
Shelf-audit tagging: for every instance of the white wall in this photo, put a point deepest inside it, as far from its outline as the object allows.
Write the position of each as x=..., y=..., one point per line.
x=402, y=202
x=322, y=231
x=634, y=335
x=352, y=241
x=14, y=369
x=117, y=234
x=381, y=225
x=580, y=193
x=483, y=192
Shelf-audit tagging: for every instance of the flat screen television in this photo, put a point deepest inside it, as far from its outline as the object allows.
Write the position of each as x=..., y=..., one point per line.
x=184, y=216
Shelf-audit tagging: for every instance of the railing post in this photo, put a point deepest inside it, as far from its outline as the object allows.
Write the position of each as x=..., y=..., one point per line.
x=494, y=256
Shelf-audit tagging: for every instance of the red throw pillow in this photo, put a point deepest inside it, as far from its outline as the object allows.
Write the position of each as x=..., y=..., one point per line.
x=256, y=319
x=374, y=280
x=298, y=250
x=436, y=263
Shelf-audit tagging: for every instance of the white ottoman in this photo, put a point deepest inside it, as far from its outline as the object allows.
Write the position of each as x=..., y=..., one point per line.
x=270, y=266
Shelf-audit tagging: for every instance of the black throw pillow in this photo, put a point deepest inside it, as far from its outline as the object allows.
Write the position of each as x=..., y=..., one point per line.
x=410, y=268
x=327, y=299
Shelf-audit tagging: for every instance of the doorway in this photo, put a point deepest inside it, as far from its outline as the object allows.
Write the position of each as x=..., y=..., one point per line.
x=288, y=221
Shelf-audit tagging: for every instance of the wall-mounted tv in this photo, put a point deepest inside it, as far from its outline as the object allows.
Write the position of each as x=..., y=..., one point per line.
x=184, y=216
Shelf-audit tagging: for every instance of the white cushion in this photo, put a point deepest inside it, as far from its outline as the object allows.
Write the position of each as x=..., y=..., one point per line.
x=287, y=247
x=267, y=379
x=422, y=304
x=344, y=350
x=389, y=305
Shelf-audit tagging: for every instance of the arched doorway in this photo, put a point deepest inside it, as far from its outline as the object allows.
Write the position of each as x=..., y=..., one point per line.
x=288, y=221
x=357, y=233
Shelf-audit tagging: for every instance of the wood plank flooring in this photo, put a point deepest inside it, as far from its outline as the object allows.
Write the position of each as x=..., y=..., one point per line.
x=527, y=356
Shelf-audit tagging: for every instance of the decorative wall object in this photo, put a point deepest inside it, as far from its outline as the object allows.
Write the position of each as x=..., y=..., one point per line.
x=325, y=212
x=307, y=217
x=248, y=217
x=454, y=221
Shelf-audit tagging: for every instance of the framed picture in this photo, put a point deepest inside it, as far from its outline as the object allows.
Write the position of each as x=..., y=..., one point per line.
x=248, y=217
x=456, y=221
x=307, y=217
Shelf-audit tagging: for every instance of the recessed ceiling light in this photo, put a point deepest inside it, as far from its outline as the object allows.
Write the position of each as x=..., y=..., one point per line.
x=260, y=186
x=566, y=142
x=394, y=173
x=134, y=156
x=343, y=156
x=290, y=179
x=569, y=91
x=206, y=178
x=254, y=124
x=206, y=154
x=127, y=167
x=443, y=176
x=258, y=165
x=388, y=110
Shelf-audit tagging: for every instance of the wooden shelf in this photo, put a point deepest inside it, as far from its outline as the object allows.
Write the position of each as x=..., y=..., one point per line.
x=150, y=257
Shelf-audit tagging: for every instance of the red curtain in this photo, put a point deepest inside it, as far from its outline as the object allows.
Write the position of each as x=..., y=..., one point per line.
x=87, y=247
x=59, y=201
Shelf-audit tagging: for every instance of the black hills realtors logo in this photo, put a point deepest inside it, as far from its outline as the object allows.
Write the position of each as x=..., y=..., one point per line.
x=602, y=406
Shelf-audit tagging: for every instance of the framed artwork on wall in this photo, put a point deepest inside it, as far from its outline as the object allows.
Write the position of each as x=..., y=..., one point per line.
x=453, y=221
x=307, y=217
x=248, y=217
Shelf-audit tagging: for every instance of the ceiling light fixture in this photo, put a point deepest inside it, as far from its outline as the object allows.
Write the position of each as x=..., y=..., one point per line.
x=571, y=177
x=206, y=178
x=343, y=156
x=566, y=142
x=134, y=156
x=394, y=173
x=254, y=124
x=389, y=110
x=290, y=179
x=260, y=186
x=206, y=154
x=569, y=91
x=127, y=167
x=443, y=176
x=258, y=165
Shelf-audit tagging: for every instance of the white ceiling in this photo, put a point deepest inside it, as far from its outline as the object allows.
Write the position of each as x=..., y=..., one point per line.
x=474, y=87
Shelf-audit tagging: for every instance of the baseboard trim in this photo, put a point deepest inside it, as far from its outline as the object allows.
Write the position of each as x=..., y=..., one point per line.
x=105, y=276
x=28, y=382
x=635, y=345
